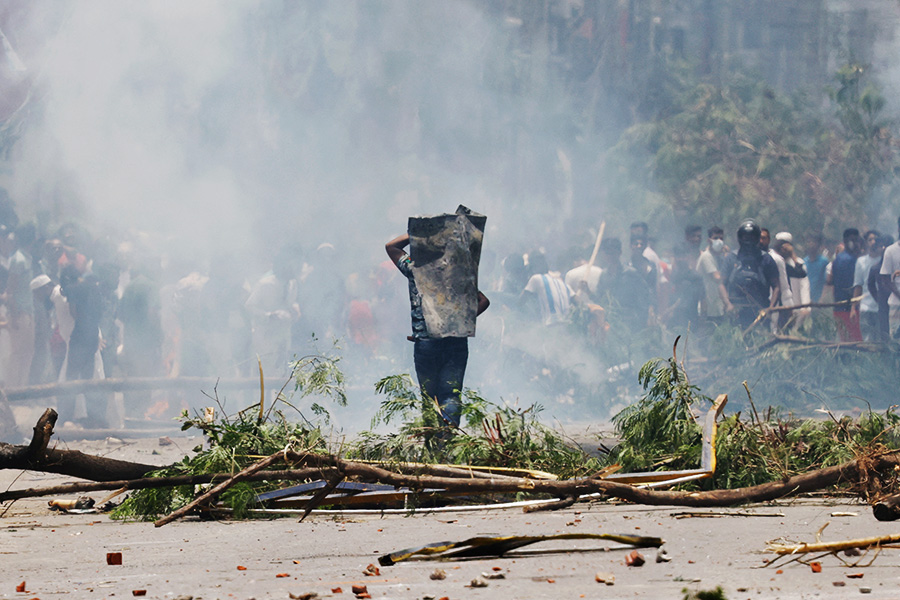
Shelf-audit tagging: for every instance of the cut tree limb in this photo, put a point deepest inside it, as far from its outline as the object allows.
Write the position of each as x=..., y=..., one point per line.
x=807, y=482
x=257, y=466
x=36, y=456
x=861, y=544
x=887, y=509
x=159, y=482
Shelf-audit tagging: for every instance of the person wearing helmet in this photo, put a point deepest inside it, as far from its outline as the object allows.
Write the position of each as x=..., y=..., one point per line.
x=751, y=276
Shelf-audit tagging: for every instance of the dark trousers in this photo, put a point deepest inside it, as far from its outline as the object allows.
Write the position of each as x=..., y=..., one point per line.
x=80, y=366
x=440, y=368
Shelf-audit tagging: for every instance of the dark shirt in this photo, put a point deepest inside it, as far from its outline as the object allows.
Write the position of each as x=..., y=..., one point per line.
x=751, y=290
x=86, y=304
x=876, y=287
x=842, y=271
x=625, y=292
x=688, y=290
x=419, y=330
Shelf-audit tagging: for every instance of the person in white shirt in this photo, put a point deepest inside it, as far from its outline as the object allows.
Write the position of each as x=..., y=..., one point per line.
x=867, y=307
x=549, y=290
x=798, y=280
x=890, y=278
x=785, y=299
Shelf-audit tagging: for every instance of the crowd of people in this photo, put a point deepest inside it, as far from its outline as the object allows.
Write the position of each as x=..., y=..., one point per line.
x=79, y=307
x=701, y=286
x=75, y=306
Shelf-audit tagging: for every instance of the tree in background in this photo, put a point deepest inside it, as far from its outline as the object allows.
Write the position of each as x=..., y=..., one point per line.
x=720, y=153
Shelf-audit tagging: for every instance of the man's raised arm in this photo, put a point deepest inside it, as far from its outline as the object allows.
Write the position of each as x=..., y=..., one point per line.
x=395, y=247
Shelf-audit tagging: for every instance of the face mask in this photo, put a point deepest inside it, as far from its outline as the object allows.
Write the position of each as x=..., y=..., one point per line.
x=717, y=245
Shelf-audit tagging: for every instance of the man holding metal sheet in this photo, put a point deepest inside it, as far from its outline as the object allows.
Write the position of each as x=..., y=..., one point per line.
x=442, y=269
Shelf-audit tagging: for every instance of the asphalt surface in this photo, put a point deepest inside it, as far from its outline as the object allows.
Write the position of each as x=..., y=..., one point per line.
x=65, y=555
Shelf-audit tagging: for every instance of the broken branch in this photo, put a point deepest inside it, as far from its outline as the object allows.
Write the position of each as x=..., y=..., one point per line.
x=242, y=475
x=37, y=457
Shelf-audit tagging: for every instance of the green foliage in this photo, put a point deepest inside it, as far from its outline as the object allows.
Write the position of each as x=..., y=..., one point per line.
x=660, y=430
x=780, y=447
x=236, y=441
x=720, y=153
x=493, y=435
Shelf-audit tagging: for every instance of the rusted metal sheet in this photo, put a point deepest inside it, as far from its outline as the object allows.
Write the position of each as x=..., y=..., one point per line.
x=445, y=251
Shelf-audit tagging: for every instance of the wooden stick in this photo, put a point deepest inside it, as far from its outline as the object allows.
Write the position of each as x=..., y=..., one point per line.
x=597, y=245
x=559, y=504
x=764, y=312
x=319, y=496
x=257, y=466
x=862, y=543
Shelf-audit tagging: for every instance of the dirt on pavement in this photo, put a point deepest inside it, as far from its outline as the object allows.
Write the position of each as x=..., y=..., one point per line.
x=65, y=555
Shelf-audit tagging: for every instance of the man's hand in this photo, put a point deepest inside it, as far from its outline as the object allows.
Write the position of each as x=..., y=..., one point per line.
x=483, y=303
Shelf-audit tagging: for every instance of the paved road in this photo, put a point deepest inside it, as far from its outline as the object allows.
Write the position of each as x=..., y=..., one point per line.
x=64, y=556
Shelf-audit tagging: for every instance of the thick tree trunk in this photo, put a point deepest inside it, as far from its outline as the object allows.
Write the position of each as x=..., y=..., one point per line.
x=37, y=457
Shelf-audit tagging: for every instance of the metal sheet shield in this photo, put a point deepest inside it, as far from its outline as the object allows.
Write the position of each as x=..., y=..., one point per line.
x=445, y=251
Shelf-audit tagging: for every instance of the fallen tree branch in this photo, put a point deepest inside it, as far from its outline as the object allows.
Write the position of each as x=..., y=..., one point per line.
x=160, y=482
x=319, y=496
x=806, y=482
x=36, y=456
x=241, y=476
x=862, y=544
x=887, y=509
x=558, y=505
x=788, y=339
x=763, y=313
